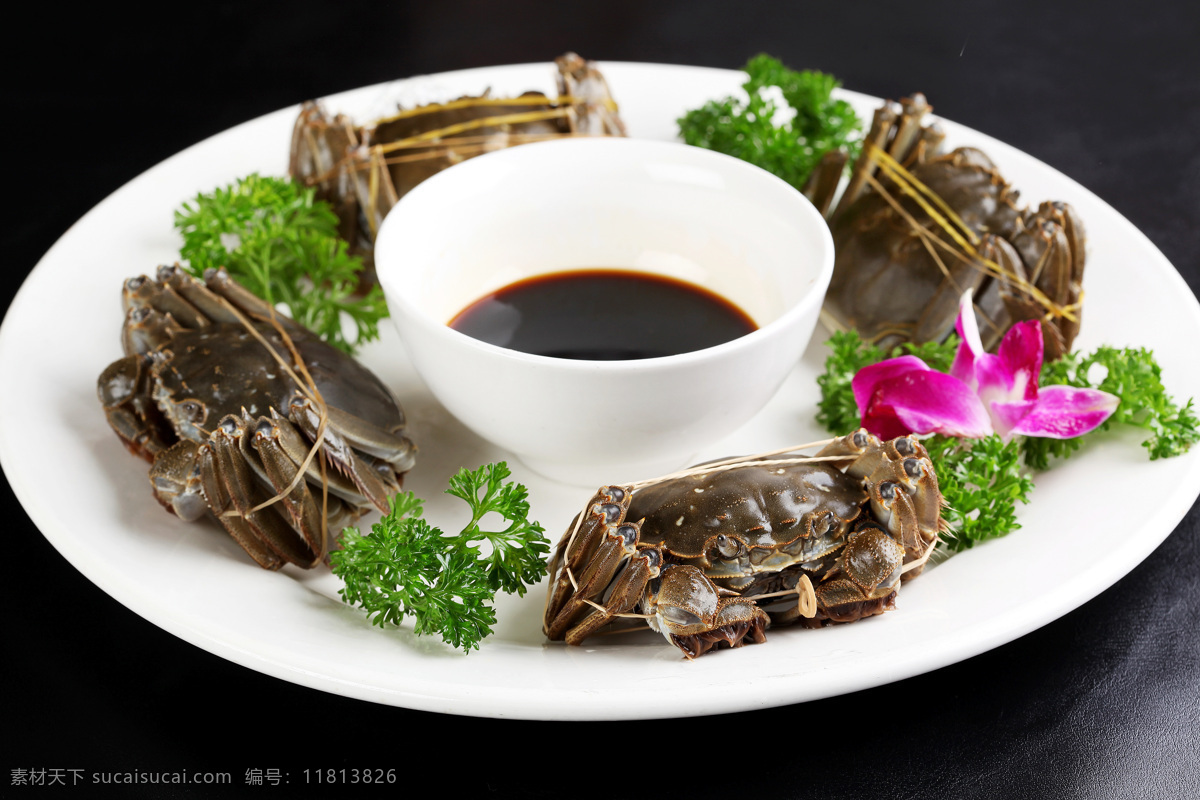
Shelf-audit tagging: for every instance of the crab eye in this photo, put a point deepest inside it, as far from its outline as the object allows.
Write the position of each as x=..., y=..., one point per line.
x=611, y=512
x=729, y=546
x=628, y=534
x=823, y=523
x=905, y=447
x=913, y=468
x=616, y=493
x=860, y=439
x=192, y=411
x=652, y=556
x=887, y=490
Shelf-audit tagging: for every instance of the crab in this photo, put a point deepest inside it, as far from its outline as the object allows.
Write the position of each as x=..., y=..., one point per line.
x=246, y=415
x=916, y=227
x=713, y=556
x=364, y=170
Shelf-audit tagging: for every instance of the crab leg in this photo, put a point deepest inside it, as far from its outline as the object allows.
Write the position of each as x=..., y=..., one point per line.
x=908, y=131
x=607, y=507
x=163, y=297
x=370, y=482
x=613, y=552
x=124, y=391
x=823, y=182
x=1046, y=251
x=627, y=590
x=593, y=111
x=1064, y=214
x=882, y=125
x=395, y=449
x=208, y=303
x=220, y=502
x=144, y=328
x=233, y=494
x=296, y=447
x=937, y=320
x=221, y=285
x=901, y=485
x=992, y=299
x=279, y=471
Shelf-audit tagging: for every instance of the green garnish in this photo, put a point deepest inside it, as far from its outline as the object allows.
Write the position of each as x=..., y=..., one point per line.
x=282, y=244
x=748, y=130
x=981, y=482
x=981, y=479
x=446, y=583
x=836, y=410
x=1135, y=377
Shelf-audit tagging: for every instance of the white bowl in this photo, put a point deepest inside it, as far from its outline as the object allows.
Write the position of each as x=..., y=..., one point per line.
x=650, y=206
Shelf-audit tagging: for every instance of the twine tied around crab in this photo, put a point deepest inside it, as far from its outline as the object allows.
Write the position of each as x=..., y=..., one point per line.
x=804, y=591
x=949, y=221
x=308, y=388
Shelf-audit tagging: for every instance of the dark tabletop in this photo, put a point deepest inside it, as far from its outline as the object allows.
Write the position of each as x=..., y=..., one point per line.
x=1104, y=702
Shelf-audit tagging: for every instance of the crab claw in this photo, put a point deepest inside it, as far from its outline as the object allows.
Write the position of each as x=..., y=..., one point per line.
x=689, y=612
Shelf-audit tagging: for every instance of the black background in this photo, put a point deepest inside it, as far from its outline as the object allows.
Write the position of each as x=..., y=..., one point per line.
x=1104, y=702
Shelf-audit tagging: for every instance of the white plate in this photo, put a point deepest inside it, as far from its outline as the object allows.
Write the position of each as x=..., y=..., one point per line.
x=1092, y=519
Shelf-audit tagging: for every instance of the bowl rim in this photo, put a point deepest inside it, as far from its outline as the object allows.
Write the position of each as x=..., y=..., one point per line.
x=814, y=294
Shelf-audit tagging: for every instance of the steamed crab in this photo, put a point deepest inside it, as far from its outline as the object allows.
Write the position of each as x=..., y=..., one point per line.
x=239, y=410
x=364, y=170
x=713, y=556
x=916, y=227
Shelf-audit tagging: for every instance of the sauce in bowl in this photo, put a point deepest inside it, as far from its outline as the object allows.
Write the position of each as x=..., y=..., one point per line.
x=603, y=315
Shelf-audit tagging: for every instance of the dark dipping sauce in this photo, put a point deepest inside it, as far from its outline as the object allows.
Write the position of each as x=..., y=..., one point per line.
x=603, y=315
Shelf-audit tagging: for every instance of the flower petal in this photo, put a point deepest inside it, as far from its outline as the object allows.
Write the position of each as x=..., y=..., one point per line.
x=1020, y=353
x=883, y=421
x=1009, y=375
x=866, y=379
x=924, y=401
x=1006, y=415
x=970, y=344
x=1063, y=412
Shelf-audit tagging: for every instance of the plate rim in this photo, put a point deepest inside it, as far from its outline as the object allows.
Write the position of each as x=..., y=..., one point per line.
x=136, y=597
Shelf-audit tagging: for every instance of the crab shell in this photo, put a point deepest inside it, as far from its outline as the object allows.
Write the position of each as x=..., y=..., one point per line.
x=898, y=275
x=705, y=557
x=208, y=392
x=364, y=170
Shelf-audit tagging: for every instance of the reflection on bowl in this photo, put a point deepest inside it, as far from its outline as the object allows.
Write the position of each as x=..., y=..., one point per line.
x=653, y=207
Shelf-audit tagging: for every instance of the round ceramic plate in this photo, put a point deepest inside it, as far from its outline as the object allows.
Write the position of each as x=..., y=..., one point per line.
x=91, y=499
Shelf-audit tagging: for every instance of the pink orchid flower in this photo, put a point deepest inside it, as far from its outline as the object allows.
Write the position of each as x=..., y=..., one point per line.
x=983, y=394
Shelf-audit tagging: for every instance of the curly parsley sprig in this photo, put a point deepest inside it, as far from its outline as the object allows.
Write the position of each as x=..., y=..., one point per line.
x=1135, y=377
x=406, y=567
x=982, y=482
x=982, y=479
x=278, y=241
x=787, y=122
x=836, y=410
